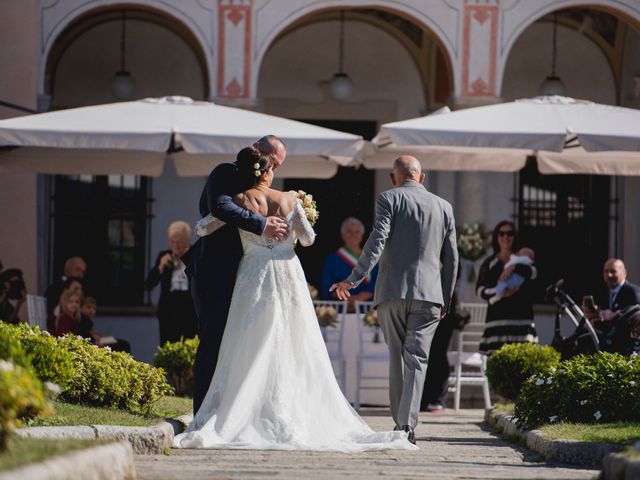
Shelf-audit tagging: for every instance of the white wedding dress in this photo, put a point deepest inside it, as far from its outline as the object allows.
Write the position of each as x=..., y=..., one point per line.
x=274, y=387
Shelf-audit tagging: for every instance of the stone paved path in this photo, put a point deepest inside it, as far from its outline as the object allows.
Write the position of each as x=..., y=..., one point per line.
x=452, y=446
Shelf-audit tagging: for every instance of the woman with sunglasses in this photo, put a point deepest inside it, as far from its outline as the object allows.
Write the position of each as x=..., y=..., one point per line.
x=511, y=319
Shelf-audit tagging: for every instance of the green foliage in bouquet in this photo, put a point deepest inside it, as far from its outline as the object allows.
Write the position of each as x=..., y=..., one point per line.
x=587, y=388
x=511, y=365
x=111, y=379
x=21, y=398
x=472, y=242
x=177, y=360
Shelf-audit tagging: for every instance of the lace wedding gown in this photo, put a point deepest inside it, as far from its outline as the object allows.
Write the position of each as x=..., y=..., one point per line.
x=274, y=387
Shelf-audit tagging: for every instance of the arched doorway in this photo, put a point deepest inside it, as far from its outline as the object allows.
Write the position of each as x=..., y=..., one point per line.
x=398, y=70
x=572, y=220
x=107, y=219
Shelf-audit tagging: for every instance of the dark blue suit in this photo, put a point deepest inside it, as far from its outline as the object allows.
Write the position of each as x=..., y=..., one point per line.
x=212, y=263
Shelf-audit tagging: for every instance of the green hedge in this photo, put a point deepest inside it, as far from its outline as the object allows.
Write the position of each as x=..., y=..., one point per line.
x=511, y=365
x=89, y=374
x=21, y=397
x=587, y=389
x=177, y=359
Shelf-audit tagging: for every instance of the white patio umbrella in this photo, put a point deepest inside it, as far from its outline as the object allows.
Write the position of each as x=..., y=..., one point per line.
x=500, y=137
x=138, y=137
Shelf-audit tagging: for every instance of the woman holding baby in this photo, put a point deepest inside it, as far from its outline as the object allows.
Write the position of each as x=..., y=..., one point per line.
x=505, y=282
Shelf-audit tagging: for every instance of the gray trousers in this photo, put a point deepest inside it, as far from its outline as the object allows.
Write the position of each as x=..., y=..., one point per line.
x=408, y=327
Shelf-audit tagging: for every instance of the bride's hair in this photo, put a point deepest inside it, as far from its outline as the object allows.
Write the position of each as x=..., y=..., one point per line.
x=251, y=165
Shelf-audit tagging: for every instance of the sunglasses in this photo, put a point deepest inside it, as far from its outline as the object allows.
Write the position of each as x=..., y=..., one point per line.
x=506, y=233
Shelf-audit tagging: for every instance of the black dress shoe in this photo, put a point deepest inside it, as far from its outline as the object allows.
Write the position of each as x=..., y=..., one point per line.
x=411, y=436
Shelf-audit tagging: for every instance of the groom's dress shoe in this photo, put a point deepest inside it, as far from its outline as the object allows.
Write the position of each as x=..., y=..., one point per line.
x=411, y=436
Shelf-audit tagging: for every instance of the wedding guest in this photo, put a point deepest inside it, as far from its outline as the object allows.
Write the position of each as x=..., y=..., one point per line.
x=176, y=314
x=85, y=328
x=13, y=296
x=338, y=265
x=511, y=319
x=74, y=267
x=619, y=293
x=69, y=315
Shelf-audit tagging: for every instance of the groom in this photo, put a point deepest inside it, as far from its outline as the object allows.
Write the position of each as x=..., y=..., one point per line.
x=414, y=238
x=212, y=262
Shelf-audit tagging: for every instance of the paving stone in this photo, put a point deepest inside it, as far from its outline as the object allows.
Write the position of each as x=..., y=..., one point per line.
x=452, y=446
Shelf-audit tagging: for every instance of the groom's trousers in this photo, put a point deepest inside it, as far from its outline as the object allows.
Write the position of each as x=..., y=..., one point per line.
x=408, y=327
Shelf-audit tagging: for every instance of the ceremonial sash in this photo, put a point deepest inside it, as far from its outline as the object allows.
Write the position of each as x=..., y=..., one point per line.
x=352, y=260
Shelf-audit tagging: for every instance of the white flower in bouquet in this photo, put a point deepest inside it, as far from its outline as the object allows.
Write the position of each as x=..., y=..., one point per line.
x=327, y=316
x=308, y=205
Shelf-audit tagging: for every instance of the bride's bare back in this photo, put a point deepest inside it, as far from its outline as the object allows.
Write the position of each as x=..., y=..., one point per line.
x=266, y=201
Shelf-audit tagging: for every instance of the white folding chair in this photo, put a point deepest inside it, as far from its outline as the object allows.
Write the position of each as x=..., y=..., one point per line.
x=469, y=365
x=37, y=311
x=333, y=339
x=371, y=349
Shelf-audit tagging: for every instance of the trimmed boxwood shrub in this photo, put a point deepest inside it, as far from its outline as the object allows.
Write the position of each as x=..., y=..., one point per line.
x=89, y=374
x=51, y=361
x=512, y=364
x=177, y=359
x=21, y=398
x=11, y=348
x=598, y=388
x=113, y=379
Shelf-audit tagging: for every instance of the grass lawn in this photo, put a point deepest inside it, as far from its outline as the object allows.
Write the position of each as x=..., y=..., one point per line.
x=624, y=433
x=21, y=451
x=73, y=414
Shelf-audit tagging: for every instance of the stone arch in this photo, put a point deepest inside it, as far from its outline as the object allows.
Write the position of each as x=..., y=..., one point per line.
x=165, y=14
x=447, y=45
x=616, y=8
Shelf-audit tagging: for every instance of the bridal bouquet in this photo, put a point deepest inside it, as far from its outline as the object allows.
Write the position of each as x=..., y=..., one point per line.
x=471, y=242
x=308, y=204
x=327, y=316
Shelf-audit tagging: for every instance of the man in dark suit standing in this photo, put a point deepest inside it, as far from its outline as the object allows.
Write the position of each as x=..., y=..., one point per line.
x=620, y=292
x=212, y=262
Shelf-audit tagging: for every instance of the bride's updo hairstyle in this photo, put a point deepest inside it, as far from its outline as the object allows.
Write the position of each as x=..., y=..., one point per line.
x=251, y=165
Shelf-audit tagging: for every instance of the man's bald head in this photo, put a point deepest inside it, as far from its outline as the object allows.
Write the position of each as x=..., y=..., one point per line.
x=75, y=267
x=406, y=169
x=273, y=147
x=614, y=272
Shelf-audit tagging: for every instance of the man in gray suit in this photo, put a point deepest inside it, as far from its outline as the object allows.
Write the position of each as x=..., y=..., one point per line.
x=414, y=237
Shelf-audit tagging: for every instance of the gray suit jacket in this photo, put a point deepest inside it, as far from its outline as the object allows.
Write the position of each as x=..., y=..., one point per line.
x=413, y=235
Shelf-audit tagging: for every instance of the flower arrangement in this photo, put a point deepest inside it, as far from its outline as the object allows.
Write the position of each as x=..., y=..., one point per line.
x=313, y=291
x=370, y=319
x=308, y=204
x=471, y=242
x=327, y=316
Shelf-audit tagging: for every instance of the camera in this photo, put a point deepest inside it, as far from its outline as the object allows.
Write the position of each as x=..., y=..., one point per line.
x=16, y=286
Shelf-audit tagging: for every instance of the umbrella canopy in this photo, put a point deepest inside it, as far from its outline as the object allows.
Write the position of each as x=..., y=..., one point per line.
x=137, y=138
x=499, y=137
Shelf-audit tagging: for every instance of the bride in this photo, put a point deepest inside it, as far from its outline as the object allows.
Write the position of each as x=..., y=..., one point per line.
x=274, y=387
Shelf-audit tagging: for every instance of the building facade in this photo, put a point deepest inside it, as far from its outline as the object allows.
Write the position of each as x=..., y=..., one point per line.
x=404, y=58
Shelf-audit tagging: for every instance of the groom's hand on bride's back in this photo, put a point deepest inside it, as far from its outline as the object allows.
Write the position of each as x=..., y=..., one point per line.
x=276, y=228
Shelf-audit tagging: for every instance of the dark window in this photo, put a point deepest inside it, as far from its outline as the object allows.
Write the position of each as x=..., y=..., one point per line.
x=105, y=220
x=565, y=219
x=350, y=193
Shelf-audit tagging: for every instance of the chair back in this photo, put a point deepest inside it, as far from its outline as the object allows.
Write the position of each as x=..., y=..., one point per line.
x=37, y=311
x=368, y=335
x=333, y=335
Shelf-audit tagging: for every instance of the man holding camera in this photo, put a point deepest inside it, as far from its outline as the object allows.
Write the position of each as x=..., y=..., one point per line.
x=13, y=294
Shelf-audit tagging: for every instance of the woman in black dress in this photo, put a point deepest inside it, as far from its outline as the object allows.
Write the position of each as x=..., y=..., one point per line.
x=176, y=314
x=509, y=320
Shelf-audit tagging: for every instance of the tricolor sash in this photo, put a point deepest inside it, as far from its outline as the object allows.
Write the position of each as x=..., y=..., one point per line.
x=348, y=257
